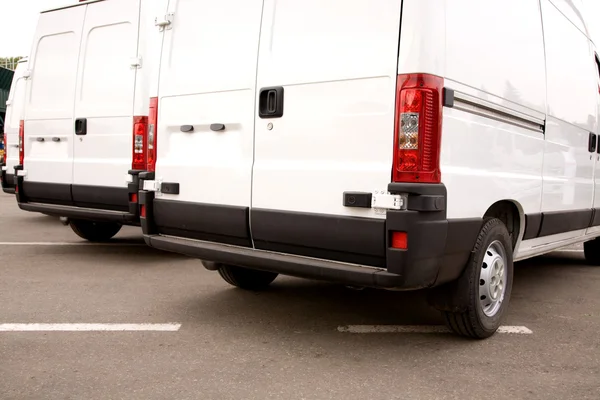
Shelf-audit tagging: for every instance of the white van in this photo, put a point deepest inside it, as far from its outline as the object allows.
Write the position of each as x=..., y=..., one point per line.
x=12, y=124
x=85, y=131
x=398, y=144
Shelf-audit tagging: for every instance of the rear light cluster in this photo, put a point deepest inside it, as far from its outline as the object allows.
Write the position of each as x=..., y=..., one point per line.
x=5, y=147
x=140, y=129
x=144, y=139
x=418, y=129
x=152, y=120
x=21, y=142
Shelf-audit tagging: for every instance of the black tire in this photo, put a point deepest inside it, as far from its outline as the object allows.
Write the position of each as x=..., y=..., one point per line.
x=591, y=250
x=470, y=320
x=95, y=231
x=245, y=278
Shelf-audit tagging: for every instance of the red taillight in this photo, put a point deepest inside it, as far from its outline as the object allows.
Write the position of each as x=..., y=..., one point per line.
x=143, y=211
x=5, y=147
x=152, y=120
x=133, y=197
x=418, y=129
x=399, y=240
x=21, y=142
x=140, y=131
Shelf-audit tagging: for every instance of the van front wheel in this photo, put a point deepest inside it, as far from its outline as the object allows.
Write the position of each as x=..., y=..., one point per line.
x=245, y=278
x=486, y=284
x=95, y=231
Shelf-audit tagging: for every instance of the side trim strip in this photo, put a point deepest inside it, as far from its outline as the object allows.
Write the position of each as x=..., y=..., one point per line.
x=533, y=224
x=560, y=222
x=595, y=218
x=556, y=222
x=483, y=108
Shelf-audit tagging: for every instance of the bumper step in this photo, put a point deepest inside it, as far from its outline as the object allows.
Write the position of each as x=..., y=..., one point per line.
x=287, y=264
x=80, y=212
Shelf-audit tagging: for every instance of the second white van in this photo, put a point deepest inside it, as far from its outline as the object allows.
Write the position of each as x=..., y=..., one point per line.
x=12, y=125
x=85, y=127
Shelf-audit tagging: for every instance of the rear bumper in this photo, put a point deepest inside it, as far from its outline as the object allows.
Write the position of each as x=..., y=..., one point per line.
x=355, y=251
x=7, y=181
x=288, y=264
x=98, y=203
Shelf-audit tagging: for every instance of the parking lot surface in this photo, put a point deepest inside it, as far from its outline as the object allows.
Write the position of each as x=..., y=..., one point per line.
x=285, y=343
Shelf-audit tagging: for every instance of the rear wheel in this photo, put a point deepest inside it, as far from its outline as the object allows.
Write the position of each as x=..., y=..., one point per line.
x=591, y=250
x=486, y=284
x=245, y=278
x=95, y=231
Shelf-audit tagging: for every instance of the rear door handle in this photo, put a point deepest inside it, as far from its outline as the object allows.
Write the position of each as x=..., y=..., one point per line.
x=270, y=102
x=81, y=126
x=592, y=142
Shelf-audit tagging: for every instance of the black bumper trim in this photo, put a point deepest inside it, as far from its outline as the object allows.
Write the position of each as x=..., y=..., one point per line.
x=95, y=203
x=212, y=222
x=102, y=197
x=438, y=248
x=293, y=265
x=340, y=238
x=7, y=181
x=91, y=214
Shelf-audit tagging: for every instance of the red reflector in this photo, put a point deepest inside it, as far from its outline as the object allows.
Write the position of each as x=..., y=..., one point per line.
x=143, y=211
x=399, y=240
x=133, y=197
x=418, y=129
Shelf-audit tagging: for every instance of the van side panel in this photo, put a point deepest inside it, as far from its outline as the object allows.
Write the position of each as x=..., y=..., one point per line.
x=105, y=96
x=495, y=56
x=50, y=97
x=572, y=92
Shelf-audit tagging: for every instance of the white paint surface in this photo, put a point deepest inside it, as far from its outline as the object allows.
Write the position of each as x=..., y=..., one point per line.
x=419, y=329
x=172, y=327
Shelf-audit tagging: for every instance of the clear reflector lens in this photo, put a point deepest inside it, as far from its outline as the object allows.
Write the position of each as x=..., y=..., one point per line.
x=408, y=138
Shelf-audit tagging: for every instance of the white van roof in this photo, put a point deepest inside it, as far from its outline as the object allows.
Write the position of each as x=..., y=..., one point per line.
x=81, y=3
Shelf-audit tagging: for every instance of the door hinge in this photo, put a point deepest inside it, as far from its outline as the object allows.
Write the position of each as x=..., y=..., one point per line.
x=164, y=23
x=152, y=186
x=387, y=201
x=27, y=74
x=136, y=63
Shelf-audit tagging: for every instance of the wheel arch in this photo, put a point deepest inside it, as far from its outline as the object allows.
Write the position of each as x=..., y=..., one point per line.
x=511, y=213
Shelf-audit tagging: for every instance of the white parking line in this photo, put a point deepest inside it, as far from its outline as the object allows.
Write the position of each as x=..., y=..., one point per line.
x=419, y=329
x=69, y=244
x=172, y=327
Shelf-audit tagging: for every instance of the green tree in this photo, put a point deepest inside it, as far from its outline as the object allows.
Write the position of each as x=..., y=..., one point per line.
x=9, y=62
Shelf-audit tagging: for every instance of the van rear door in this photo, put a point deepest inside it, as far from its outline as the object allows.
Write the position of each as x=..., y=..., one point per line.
x=335, y=63
x=49, y=135
x=104, y=103
x=205, y=132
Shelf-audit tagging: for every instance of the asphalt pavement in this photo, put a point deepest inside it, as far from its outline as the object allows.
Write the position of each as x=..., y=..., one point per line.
x=284, y=343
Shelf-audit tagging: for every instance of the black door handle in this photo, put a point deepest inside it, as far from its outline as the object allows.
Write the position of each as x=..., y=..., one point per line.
x=270, y=102
x=81, y=126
